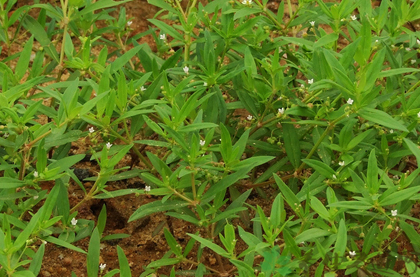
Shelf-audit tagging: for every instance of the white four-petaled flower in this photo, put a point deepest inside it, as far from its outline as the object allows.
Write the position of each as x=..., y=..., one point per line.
x=312, y=23
x=186, y=69
x=108, y=145
x=91, y=130
x=249, y=117
x=73, y=221
x=129, y=23
x=102, y=267
x=142, y=88
x=202, y=142
x=353, y=17
x=352, y=253
x=205, y=84
x=394, y=212
x=147, y=188
x=341, y=163
x=247, y=2
x=281, y=111
x=350, y=101
x=162, y=36
x=310, y=81
x=36, y=174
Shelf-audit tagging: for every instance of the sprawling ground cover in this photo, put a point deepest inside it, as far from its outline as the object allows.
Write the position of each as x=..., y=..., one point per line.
x=247, y=138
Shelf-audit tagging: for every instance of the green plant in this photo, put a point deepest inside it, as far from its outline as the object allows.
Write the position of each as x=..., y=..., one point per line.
x=316, y=102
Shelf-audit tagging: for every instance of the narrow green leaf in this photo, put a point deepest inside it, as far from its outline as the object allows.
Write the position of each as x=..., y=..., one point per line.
x=206, y=243
x=322, y=168
x=372, y=181
x=94, y=249
x=156, y=206
x=341, y=242
x=319, y=208
x=381, y=118
x=291, y=144
x=25, y=57
x=124, y=266
x=166, y=29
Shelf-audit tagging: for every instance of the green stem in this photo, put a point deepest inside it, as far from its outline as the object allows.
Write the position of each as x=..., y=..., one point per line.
x=269, y=15
x=292, y=15
x=192, y=202
x=197, y=264
x=321, y=138
x=413, y=87
x=88, y=196
x=262, y=124
x=193, y=186
x=136, y=151
x=66, y=19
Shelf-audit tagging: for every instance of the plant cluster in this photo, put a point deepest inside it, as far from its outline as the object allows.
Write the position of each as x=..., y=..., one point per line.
x=320, y=101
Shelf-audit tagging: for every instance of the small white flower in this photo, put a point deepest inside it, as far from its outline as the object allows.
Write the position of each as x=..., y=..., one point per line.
x=202, y=142
x=36, y=197
x=352, y=253
x=91, y=130
x=353, y=17
x=395, y=177
x=350, y=101
x=44, y=242
x=36, y=174
x=129, y=23
x=418, y=41
x=205, y=84
x=302, y=85
x=249, y=117
x=407, y=49
x=341, y=163
x=391, y=131
x=413, y=61
x=73, y=221
x=281, y=111
x=147, y=188
x=142, y=88
x=343, y=19
x=247, y=2
x=285, y=55
x=334, y=177
x=6, y=135
x=376, y=41
x=310, y=81
x=102, y=267
x=108, y=145
x=312, y=23
x=186, y=69
x=394, y=212
x=418, y=114
x=162, y=36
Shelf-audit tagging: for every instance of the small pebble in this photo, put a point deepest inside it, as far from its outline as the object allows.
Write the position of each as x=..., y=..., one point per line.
x=67, y=261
